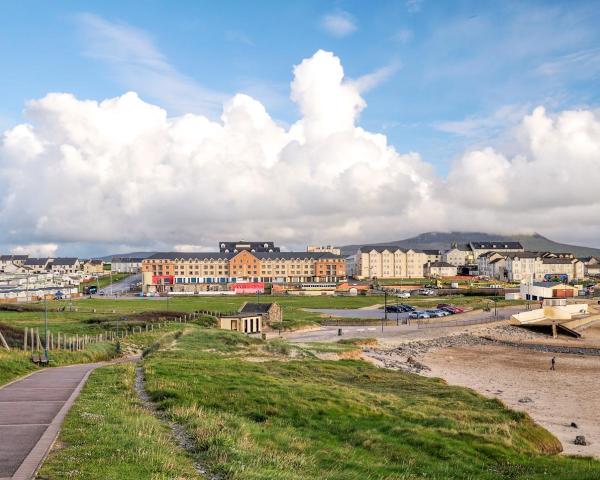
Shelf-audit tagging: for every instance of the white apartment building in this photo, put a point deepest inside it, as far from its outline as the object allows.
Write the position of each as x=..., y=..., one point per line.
x=458, y=255
x=126, y=265
x=389, y=262
x=324, y=249
x=479, y=248
x=528, y=266
x=439, y=269
x=433, y=256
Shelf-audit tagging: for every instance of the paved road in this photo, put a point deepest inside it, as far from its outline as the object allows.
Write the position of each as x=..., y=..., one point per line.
x=31, y=412
x=398, y=333
x=122, y=286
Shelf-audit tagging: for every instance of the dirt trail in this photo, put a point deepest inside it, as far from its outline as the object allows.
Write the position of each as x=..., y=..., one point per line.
x=183, y=439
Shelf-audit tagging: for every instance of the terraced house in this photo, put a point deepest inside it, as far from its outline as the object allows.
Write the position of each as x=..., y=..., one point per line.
x=204, y=271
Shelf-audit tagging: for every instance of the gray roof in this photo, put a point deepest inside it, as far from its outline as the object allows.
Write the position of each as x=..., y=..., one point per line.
x=499, y=245
x=232, y=247
x=563, y=261
x=65, y=261
x=228, y=256
x=36, y=261
x=126, y=259
x=382, y=248
x=432, y=252
x=441, y=264
x=256, y=307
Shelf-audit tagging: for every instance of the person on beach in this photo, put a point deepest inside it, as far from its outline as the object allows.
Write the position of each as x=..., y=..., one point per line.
x=553, y=363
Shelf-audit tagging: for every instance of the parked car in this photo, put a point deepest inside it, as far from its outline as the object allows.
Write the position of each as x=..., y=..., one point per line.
x=419, y=315
x=403, y=295
x=450, y=308
x=407, y=308
x=437, y=313
x=393, y=309
x=427, y=291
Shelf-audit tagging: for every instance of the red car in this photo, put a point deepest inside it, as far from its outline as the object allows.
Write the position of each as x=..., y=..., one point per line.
x=450, y=308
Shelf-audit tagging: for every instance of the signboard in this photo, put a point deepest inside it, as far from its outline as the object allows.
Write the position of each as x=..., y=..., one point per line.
x=556, y=277
x=162, y=279
x=248, y=287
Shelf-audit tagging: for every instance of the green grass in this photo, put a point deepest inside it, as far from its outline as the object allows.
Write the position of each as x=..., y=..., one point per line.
x=105, y=280
x=303, y=418
x=105, y=312
x=109, y=435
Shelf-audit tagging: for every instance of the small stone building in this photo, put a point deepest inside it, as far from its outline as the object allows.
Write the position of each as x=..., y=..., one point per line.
x=270, y=312
x=240, y=322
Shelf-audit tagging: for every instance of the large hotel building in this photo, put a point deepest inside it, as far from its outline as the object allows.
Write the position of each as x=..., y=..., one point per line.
x=238, y=263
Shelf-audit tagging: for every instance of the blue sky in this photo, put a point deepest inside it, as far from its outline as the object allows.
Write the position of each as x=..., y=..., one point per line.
x=459, y=73
x=492, y=107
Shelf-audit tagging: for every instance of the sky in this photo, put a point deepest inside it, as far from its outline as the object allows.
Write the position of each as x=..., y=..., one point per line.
x=175, y=125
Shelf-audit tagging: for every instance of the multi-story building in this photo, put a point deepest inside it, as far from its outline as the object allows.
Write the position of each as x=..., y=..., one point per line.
x=324, y=249
x=126, y=264
x=479, y=248
x=529, y=266
x=389, y=262
x=36, y=265
x=235, y=247
x=439, y=269
x=458, y=255
x=92, y=267
x=591, y=265
x=11, y=263
x=190, y=272
x=64, y=265
x=433, y=256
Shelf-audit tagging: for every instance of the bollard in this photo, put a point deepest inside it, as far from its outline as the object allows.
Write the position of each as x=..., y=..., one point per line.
x=339, y=332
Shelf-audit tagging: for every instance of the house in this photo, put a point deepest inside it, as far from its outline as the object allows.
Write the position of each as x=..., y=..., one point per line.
x=458, y=255
x=439, y=269
x=591, y=265
x=242, y=322
x=523, y=266
x=93, y=267
x=64, y=265
x=126, y=264
x=12, y=263
x=271, y=312
x=572, y=268
x=36, y=265
x=542, y=290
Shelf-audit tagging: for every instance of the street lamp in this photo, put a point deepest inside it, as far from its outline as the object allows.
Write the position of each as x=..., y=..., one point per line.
x=46, y=325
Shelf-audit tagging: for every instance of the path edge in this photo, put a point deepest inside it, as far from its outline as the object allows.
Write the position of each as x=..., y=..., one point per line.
x=38, y=453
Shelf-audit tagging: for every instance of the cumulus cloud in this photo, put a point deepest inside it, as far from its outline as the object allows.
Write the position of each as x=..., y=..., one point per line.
x=123, y=172
x=339, y=24
x=36, y=250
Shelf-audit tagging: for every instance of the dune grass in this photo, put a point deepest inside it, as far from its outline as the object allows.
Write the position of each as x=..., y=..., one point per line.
x=257, y=413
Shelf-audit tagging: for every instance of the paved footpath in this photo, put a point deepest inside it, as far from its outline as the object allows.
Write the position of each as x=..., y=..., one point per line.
x=31, y=412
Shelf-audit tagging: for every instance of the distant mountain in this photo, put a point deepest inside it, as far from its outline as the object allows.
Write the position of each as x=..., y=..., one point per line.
x=443, y=240
x=108, y=258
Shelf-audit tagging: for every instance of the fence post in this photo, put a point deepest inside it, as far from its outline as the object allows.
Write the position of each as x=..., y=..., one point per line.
x=25, y=340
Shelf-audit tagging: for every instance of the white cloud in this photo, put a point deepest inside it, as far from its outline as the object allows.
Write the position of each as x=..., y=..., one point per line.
x=36, y=250
x=339, y=24
x=414, y=6
x=403, y=35
x=139, y=65
x=122, y=172
x=373, y=79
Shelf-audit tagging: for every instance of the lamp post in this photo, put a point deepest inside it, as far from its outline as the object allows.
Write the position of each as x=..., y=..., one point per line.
x=385, y=317
x=46, y=325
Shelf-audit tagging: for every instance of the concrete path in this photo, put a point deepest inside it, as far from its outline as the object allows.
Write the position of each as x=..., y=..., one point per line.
x=31, y=412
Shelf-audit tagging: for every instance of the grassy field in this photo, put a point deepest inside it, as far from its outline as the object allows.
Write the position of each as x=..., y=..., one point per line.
x=108, y=434
x=97, y=314
x=263, y=410
x=105, y=280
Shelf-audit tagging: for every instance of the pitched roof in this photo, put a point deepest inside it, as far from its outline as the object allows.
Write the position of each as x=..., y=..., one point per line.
x=36, y=261
x=441, y=264
x=65, y=261
x=255, y=307
x=499, y=245
x=126, y=260
x=562, y=261
x=259, y=255
x=389, y=248
x=432, y=252
x=549, y=284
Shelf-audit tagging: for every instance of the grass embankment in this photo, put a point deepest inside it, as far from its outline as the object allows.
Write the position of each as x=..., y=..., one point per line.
x=108, y=434
x=256, y=413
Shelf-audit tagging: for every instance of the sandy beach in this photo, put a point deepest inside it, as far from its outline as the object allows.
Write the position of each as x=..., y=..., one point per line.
x=519, y=377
